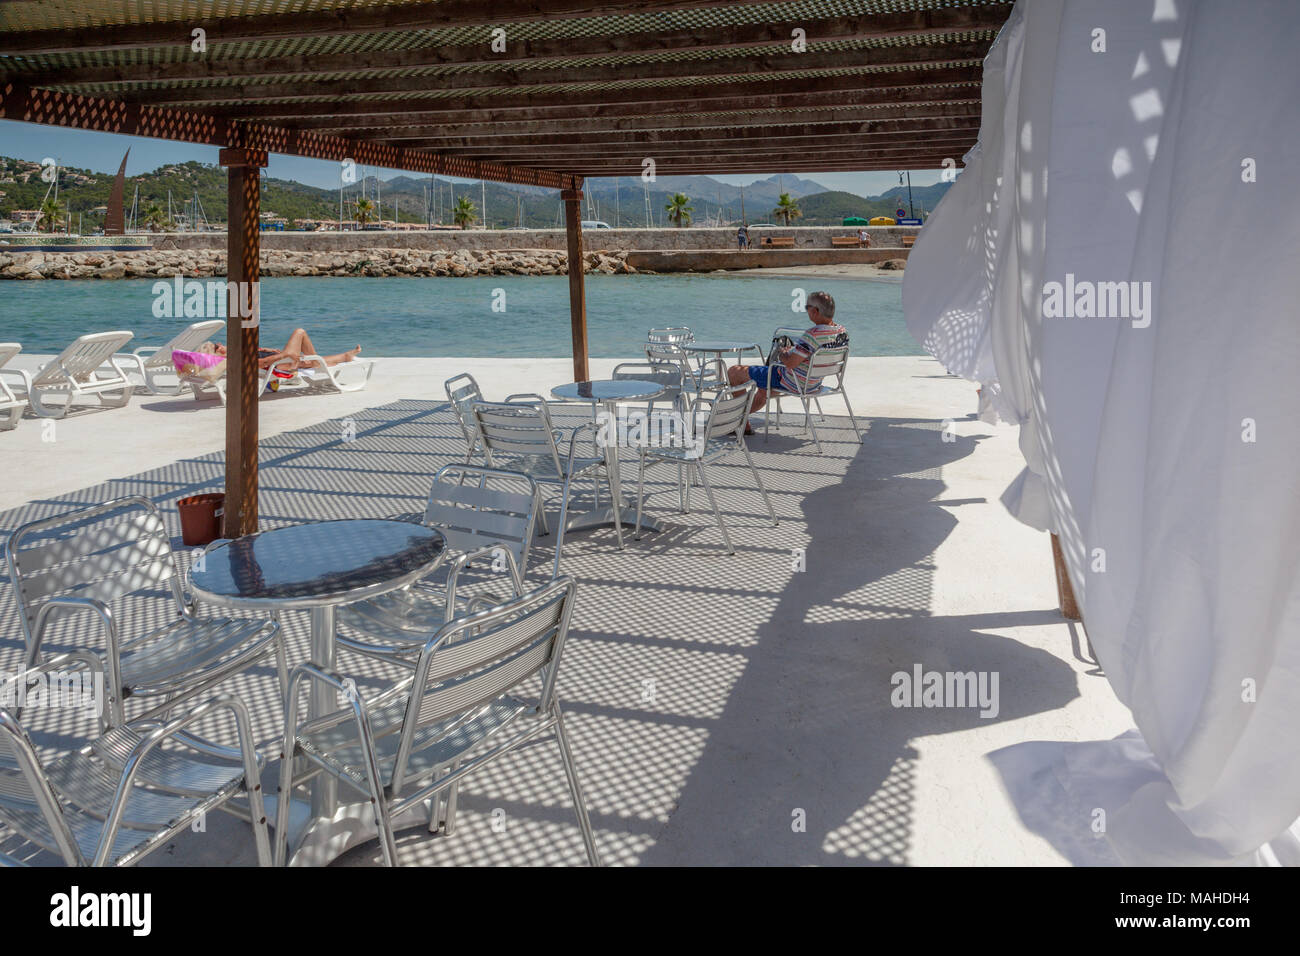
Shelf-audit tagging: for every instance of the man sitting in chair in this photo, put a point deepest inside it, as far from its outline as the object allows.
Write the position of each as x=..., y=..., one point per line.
x=790, y=364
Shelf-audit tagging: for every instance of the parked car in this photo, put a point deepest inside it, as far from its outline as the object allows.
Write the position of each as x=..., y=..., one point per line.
x=594, y=224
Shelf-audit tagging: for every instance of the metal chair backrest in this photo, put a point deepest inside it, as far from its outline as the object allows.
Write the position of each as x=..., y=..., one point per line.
x=82, y=357
x=188, y=340
x=463, y=393
x=472, y=661
x=786, y=336
x=34, y=811
x=517, y=429
x=101, y=553
x=725, y=413
x=476, y=507
x=828, y=362
x=667, y=353
x=673, y=335
x=666, y=376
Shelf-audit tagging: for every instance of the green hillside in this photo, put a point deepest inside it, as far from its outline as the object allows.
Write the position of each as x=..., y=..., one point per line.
x=830, y=208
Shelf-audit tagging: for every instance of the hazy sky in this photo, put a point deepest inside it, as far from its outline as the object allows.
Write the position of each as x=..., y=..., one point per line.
x=103, y=152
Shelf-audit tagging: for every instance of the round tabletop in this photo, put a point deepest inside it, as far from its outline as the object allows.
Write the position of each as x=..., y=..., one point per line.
x=317, y=564
x=718, y=345
x=609, y=390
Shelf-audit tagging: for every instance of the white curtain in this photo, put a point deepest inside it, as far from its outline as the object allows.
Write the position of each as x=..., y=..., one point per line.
x=1149, y=143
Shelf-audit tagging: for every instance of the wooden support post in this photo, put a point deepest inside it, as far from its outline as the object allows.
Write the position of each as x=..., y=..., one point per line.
x=577, y=290
x=1064, y=589
x=243, y=314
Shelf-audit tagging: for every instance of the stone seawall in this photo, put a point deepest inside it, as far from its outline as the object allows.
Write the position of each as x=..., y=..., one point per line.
x=806, y=237
x=199, y=263
x=165, y=264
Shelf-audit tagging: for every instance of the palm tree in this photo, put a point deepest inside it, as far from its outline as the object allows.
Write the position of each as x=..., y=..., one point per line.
x=786, y=209
x=154, y=218
x=678, y=209
x=365, y=209
x=464, y=212
x=52, y=214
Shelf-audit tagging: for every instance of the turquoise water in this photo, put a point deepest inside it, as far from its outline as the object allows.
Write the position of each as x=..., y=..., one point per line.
x=455, y=317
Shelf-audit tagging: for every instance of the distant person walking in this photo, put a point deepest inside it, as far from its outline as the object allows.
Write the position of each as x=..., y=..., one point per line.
x=742, y=237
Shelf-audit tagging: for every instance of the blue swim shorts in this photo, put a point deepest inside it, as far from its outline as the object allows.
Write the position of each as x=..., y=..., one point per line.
x=758, y=375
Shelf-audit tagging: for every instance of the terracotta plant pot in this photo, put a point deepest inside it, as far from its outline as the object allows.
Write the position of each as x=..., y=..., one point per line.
x=201, y=518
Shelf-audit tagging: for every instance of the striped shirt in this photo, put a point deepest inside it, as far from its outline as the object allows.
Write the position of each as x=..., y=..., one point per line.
x=818, y=337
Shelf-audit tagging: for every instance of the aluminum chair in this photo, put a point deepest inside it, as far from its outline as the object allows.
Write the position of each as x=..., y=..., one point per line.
x=524, y=435
x=697, y=375
x=672, y=335
x=11, y=403
x=823, y=363
x=719, y=432
x=89, y=562
x=669, y=377
x=122, y=796
x=484, y=517
x=463, y=393
x=417, y=739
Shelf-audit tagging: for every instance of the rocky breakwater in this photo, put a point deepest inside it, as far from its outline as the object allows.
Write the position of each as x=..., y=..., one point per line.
x=199, y=263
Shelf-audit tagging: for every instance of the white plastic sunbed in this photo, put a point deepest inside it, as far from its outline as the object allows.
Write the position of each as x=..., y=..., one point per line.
x=82, y=370
x=11, y=403
x=338, y=377
x=152, y=362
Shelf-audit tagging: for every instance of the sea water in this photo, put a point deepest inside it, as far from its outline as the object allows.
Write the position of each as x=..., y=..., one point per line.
x=479, y=317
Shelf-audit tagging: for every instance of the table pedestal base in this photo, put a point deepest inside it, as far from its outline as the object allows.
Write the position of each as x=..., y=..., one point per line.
x=319, y=841
x=604, y=515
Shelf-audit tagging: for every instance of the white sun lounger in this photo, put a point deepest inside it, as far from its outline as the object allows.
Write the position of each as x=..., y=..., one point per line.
x=11, y=403
x=152, y=362
x=84, y=369
x=337, y=378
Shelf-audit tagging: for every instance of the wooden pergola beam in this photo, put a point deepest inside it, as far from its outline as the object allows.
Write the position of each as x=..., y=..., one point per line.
x=769, y=65
x=578, y=123
x=728, y=37
x=54, y=108
x=628, y=167
x=921, y=159
x=863, y=129
x=572, y=199
x=887, y=87
x=709, y=169
x=285, y=26
x=243, y=257
x=847, y=147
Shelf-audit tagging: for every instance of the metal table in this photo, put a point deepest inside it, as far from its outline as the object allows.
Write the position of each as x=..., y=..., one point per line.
x=722, y=347
x=609, y=392
x=317, y=567
x=719, y=347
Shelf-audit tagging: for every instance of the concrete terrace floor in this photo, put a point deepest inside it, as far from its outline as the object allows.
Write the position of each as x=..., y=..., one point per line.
x=771, y=687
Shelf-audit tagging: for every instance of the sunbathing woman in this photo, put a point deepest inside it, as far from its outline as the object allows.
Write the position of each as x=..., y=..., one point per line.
x=298, y=346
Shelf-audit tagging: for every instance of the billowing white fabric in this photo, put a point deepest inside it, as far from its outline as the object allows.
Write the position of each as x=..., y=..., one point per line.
x=1162, y=444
